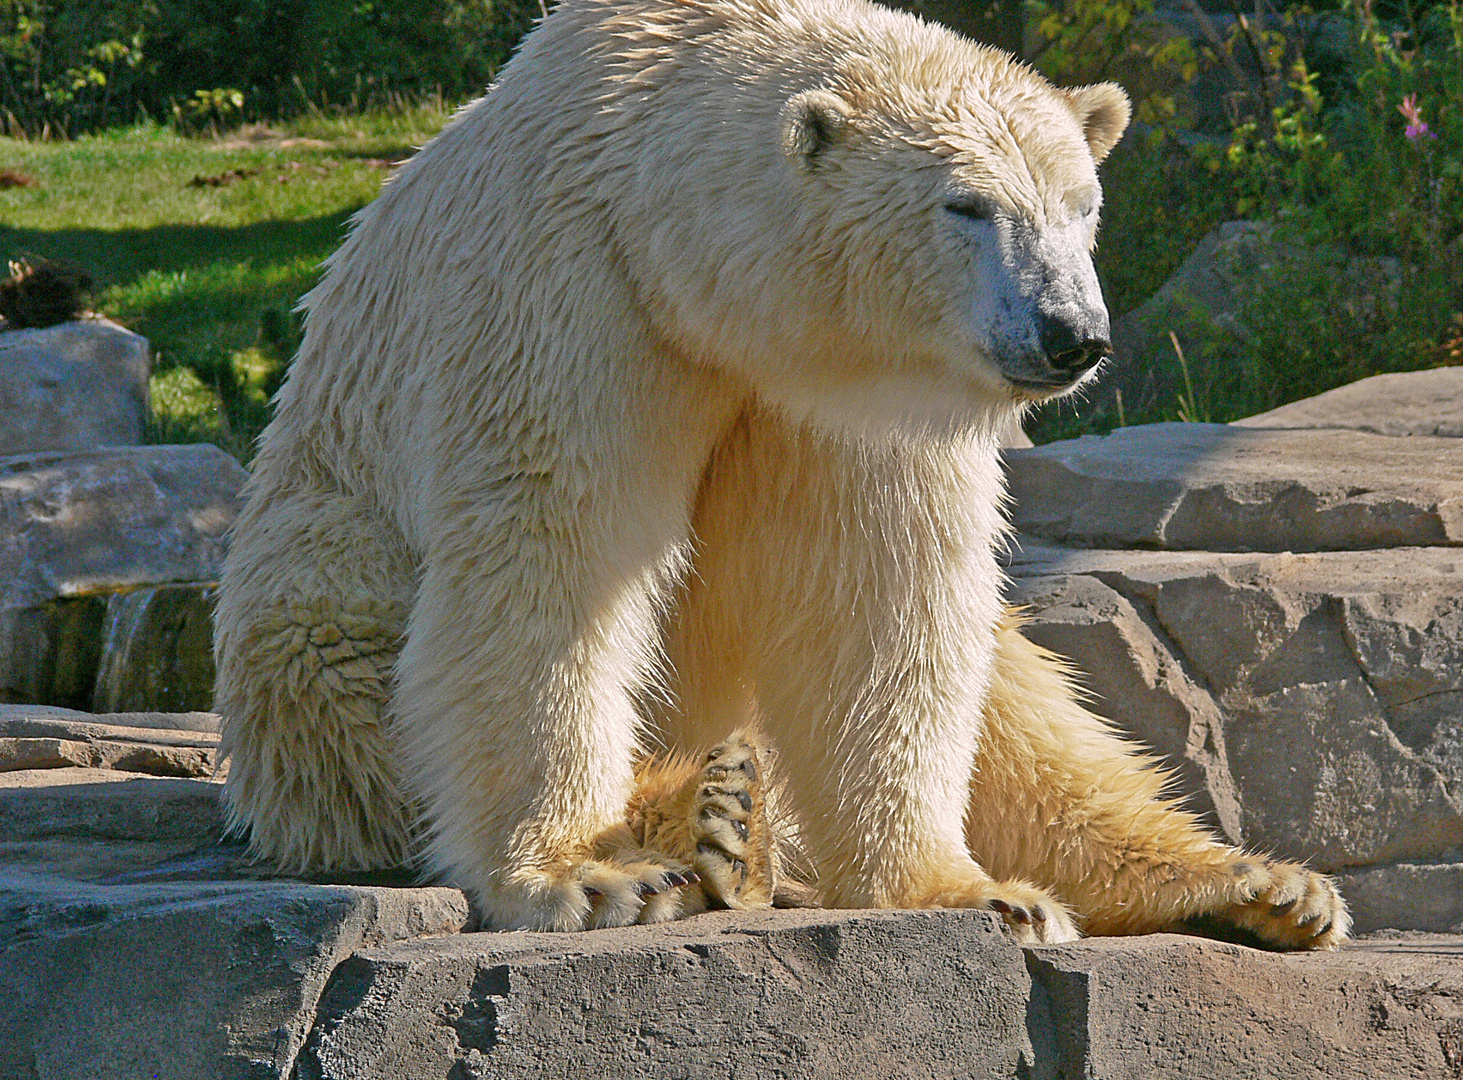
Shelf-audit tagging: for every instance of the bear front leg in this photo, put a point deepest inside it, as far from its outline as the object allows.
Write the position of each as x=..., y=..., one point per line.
x=864, y=573
x=515, y=708
x=1059, y=798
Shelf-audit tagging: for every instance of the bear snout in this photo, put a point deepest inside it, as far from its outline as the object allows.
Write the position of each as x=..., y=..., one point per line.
x=1074, y=347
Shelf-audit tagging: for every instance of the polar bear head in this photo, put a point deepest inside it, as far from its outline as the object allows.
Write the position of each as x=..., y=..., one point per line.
x=888, y=223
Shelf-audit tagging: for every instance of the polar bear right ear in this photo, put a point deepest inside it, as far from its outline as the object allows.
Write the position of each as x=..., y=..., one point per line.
x=812, y=122
x=1103, y=110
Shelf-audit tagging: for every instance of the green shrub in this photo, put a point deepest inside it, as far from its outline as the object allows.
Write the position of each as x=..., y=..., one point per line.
x=71, y=66
x=1362, y=183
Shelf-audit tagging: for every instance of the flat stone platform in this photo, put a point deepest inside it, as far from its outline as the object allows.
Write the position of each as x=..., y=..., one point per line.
x=136, y=942
x=192, y=979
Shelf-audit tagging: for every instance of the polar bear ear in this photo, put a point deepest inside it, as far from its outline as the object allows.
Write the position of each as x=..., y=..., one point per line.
x=812, y=122
x=1103, y=111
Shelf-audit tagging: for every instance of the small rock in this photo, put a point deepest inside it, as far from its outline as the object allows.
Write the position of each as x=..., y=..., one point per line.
x=73, y=387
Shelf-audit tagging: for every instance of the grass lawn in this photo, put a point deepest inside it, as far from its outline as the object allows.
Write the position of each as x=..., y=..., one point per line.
x=198, y=242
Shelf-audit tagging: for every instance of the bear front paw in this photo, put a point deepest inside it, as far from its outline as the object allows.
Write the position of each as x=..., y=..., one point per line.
x=593, y=894
x=1032, y=916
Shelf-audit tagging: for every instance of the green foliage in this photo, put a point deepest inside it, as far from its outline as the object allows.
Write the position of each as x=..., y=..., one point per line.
x=73, y=66
x=1362, y=183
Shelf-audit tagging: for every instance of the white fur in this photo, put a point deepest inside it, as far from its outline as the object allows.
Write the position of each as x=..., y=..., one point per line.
x=623, y=292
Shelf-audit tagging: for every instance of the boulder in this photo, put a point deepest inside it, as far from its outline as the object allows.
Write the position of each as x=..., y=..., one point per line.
x=157, y=650
x=1203, y=305
x=77, y=533
x=1311, y=705
x=1405, y=403
x=1218, y=487
x=72, y=387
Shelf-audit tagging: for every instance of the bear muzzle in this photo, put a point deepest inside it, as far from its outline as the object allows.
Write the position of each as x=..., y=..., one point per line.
x=1074, y=347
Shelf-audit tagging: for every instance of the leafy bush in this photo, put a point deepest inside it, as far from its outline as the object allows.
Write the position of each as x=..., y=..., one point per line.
x=70, y=66
x=1359, y=174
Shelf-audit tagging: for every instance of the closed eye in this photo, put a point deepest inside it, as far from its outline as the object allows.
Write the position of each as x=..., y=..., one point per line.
x=971, y=209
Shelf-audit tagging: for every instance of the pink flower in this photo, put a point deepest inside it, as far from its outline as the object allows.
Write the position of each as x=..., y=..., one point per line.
x=1416, y=126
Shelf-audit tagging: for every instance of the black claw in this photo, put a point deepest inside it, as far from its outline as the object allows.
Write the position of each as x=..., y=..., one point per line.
x=1001, y=906
x=714, y=754
x=674, y=879
x=749, y=767
x=739, y=867
x=746, y=800
x=645, y=888
x=1309, y=918
x=710, y=849
x=1038, y=914
x=1323, y=930
x=1281, y=909
x=591, y=892
x=741, y=829
x=692, y=878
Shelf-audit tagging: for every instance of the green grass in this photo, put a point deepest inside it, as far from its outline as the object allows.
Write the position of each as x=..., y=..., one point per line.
x=197, y=268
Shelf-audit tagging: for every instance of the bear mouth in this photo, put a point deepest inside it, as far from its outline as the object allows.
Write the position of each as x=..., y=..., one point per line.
x=1042, y=387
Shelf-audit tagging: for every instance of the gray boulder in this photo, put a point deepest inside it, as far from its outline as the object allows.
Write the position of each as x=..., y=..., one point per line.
x=76, y=386
x=80, y=531
x=1311, y=705
x=1203, y=305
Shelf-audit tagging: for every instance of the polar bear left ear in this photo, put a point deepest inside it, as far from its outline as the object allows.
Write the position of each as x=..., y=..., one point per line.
x=812, y=122
x=1103, y=111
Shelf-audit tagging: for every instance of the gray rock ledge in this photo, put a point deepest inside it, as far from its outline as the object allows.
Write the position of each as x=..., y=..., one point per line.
x=1217, y=487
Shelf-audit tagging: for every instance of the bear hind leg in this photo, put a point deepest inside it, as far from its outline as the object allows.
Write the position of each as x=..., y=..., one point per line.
x=309, y=624
x=712, y=815
x=1058, y=798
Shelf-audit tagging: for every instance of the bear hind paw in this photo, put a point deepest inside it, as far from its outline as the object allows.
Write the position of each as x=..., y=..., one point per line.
x=729, y=827
x=1284, y=906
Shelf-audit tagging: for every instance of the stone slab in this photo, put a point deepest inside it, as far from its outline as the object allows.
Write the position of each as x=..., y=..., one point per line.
x=774, y=994
x=76, y=386
x=1161, y=1006
x=1397, y=404
x=1217, y=487
x=133, y=944
x=1312, y=704
x=102, y=804
x=168, y=721
x=180, y=982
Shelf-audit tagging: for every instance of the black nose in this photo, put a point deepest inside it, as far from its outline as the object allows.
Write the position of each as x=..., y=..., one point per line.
x=1070, y=350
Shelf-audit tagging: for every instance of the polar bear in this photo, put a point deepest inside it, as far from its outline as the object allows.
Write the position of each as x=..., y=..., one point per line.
x=657, y=401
